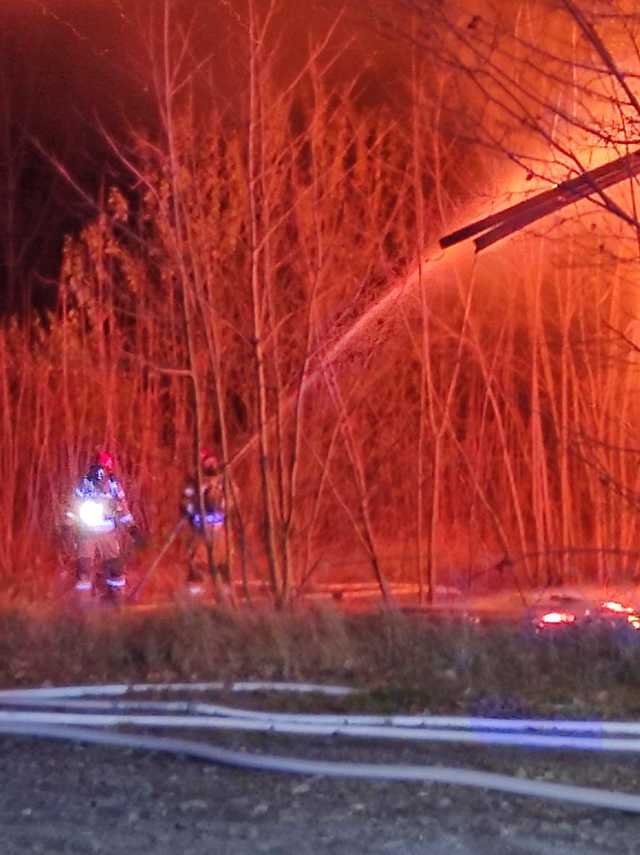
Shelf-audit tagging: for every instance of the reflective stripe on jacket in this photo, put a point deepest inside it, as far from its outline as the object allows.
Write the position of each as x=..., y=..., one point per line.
x=212, y=502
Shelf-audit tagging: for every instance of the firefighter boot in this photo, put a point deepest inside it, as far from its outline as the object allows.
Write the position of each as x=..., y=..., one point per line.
x=116, y=581
x=83, y=576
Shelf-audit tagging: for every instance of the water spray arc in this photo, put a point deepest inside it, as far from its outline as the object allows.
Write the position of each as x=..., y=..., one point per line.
x=491, y=228
x=437, y=269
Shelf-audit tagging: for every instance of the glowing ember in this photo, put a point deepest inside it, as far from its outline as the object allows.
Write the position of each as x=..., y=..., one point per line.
x=612, y=606
x=557, y=618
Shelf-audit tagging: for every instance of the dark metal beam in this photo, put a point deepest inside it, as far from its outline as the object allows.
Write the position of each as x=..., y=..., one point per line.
x=498, y=226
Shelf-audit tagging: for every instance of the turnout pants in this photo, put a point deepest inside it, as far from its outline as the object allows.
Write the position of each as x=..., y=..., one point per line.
x=104, y=549
x=198, y=560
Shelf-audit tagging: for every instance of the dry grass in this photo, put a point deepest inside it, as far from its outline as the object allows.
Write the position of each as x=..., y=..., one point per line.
x=403, y=663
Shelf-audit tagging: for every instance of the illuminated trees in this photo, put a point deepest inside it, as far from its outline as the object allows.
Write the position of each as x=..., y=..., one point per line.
x=205, y=296
x=268, y=279
x=547, y=92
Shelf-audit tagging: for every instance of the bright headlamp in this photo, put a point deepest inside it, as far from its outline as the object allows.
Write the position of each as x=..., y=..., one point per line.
x=91, y=513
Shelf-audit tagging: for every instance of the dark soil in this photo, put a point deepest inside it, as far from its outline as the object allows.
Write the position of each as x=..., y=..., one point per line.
x=59, y=799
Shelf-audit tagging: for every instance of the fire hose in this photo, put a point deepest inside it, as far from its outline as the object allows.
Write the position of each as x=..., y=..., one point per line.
x=68, y=713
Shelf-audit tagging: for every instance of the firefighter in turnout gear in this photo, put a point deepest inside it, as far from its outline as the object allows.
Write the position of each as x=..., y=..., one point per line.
x=97, y=511
x=206, y=518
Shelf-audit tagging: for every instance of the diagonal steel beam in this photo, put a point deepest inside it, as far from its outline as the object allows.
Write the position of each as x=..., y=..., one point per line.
x=497, y=226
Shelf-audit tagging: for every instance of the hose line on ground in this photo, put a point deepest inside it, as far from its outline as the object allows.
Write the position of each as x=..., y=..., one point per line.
x=585, y=796
x=47, y=721
x=540, y=725
x=114, y=689
x=415, y=734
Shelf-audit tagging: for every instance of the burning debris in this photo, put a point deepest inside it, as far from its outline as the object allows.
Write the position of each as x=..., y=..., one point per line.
x=500, y=225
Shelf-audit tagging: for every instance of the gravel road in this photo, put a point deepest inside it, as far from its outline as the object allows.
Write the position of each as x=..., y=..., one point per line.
x=59, y=799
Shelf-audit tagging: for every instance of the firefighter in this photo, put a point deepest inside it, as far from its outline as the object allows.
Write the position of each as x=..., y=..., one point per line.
x=98, y=510
x=206, y=518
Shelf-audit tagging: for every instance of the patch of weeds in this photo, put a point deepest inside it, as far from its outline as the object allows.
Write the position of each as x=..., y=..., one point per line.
x=406, y=699
x=399, y=663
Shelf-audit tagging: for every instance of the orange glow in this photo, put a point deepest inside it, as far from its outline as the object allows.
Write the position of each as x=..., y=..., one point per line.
x=612, y=606
x=558, y=618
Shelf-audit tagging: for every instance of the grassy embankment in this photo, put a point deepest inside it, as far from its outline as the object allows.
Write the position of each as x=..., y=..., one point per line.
x=405, y=664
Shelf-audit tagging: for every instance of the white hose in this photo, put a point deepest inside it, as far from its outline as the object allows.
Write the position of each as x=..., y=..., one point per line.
x=462, y=730
x=600, y=728
x=134, y=688
x=75, y=697
x=196, y=722
x=584, y=796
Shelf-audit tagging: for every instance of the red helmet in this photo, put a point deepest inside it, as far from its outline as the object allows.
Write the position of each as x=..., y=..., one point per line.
x=105, y=460
x=208, y=459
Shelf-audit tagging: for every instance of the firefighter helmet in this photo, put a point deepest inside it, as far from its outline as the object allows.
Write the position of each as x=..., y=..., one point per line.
x=105, y=460
x=208, y=461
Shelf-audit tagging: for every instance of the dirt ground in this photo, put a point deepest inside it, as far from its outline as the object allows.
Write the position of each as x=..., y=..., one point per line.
x=59, y=799
x=71, y=799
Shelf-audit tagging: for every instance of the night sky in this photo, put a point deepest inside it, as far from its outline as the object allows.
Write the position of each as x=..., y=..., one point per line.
x=64, y=69
x=68, y=68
